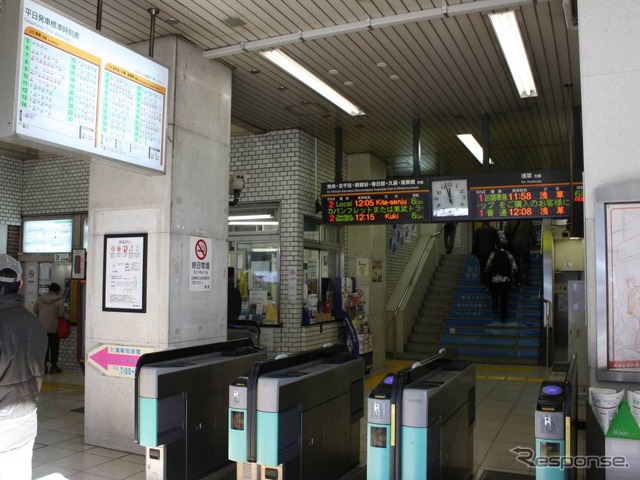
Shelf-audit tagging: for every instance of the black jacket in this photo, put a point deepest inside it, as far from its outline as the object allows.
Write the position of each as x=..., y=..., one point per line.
x=23, y=345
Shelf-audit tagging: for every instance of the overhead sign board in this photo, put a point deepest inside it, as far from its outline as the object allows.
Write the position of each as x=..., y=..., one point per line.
x=538, y=194
x=67, y=86
x=398, y=200
x=499, y=196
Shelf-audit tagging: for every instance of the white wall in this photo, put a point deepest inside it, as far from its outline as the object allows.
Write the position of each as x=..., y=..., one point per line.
x=610, y=75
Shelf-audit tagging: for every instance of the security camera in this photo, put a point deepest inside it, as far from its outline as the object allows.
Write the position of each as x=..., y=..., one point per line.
x=236, y=183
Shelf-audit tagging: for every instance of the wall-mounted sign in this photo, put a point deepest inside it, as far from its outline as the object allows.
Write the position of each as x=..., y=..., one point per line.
x=79, y=264
x=65, y=85
x=124, y=283
x=200, y=264
x=376, y=201
x=502, y=196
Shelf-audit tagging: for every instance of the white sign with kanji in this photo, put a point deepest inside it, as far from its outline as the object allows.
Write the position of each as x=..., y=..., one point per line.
x=200, y=265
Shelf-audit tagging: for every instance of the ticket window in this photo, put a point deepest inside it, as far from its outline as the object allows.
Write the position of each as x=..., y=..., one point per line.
x=323, y=261
x=254, y=253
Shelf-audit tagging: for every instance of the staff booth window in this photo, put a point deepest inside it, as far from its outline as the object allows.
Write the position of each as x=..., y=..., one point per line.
x=323, y=262
x=254, y=253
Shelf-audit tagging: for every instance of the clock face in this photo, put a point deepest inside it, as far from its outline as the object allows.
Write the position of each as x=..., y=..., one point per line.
x=450, y=198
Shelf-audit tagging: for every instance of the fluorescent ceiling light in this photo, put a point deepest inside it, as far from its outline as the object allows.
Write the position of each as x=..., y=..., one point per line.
x=474, y=147
x=252, y=222
x=506, y=27
x=255, y=216
x=305, y=76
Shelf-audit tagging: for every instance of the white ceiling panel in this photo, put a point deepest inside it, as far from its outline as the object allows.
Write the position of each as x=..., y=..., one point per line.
x=450, y=73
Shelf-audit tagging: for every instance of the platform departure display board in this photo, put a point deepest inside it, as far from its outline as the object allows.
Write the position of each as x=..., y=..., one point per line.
x=365, y=202
x=541, y=194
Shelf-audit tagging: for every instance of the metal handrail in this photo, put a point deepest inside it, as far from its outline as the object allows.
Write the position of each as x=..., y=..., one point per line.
x=410, y=284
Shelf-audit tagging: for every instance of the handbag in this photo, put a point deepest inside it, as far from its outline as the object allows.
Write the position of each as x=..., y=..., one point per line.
x=64, y=329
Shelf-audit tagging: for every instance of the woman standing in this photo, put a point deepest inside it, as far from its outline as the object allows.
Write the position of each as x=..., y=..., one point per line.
x=48, y=308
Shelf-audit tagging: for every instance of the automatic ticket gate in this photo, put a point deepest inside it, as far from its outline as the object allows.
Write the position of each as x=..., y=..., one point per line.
x=181, y=406
x=421, y=421
x=298, y=417
x=556, y=424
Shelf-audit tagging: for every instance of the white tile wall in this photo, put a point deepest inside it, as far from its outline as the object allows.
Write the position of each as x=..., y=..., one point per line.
x=281, y=167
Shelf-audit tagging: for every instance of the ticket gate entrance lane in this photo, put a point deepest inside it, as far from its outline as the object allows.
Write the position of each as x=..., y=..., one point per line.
x=556, y=424
x=181, y=406
x=298, y=418
x=421, y=422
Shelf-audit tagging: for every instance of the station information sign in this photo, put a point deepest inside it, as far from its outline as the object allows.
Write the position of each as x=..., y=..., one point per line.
x=398, y=200
x=538, y=194
x=78, y=90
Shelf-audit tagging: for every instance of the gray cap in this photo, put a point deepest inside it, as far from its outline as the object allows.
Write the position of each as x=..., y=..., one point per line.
x=11, y=263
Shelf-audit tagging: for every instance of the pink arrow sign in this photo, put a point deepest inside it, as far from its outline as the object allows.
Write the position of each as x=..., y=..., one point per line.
x=117, y=360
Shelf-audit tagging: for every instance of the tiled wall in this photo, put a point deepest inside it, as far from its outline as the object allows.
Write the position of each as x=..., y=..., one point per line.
x=281, y=167
x=55, y=185
x=11, y=181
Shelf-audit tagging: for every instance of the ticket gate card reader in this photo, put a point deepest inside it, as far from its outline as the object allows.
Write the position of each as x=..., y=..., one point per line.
x=555, y=427
x=298, y=418
x=420, y=422
x=181, y=406
x=549, y=429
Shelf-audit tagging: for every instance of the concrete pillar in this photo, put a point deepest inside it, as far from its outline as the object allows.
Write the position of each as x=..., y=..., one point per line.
x=369, y=242
x=189, y=201
x=609, y=75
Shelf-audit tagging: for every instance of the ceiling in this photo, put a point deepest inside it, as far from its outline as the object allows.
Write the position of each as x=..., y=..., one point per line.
x=443, y=68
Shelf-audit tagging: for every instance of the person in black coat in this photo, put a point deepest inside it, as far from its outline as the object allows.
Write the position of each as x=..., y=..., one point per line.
x=501, y=267
x=234, y=298
x=485, y=239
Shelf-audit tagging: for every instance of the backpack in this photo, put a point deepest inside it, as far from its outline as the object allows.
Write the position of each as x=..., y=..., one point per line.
x=500, y=265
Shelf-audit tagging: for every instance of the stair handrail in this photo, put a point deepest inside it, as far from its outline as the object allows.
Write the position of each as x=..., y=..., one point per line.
x=407, y=288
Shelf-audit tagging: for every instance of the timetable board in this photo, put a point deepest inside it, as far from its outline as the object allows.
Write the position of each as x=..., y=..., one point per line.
x=376, y=201
x=77, y=90
x=538, y=194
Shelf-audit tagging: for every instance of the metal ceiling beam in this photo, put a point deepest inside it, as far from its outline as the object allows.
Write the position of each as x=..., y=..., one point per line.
x=445, y=11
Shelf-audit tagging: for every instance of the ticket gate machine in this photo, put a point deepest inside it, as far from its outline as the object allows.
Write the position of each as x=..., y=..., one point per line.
x=181, y=406
x=556, y=424
x=298, y=417
x=421, y=422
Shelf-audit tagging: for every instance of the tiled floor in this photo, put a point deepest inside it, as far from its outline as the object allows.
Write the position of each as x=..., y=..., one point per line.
x=505, y=399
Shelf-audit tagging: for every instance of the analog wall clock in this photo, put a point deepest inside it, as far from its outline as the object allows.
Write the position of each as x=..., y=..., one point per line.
x=450, y=198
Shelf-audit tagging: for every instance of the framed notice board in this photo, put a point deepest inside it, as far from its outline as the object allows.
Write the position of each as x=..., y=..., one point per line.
x=124, y=282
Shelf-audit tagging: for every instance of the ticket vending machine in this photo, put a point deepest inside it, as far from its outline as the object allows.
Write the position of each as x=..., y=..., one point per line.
x=181, y=406
x=298, y=417
x=421, y=422
x=556, y=424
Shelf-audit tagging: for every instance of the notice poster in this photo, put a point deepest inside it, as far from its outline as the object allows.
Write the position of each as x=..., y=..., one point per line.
x=623, y=265
x=79, y=90
x=125, y=273
x=200, y=265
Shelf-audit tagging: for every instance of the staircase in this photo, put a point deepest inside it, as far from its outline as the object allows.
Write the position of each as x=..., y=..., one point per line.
x=456, y=314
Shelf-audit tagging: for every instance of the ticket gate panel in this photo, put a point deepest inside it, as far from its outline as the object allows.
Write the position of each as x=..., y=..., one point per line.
x=148, y=420
x=205, y=430
x=161, y=420
x=415, y=440
x=303, y=413
x=182, y=405
x=546, y=448
x=378, y=451
x=237, y=435
x=278, y=437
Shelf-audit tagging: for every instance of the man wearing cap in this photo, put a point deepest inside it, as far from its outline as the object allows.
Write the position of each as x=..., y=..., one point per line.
x=23, y=344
